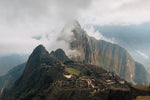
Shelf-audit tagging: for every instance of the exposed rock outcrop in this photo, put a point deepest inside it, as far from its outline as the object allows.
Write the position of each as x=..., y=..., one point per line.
x=110, y=56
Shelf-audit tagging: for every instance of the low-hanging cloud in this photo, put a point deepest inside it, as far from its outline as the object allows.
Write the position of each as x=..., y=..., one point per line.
x=13, y=10
x=142, y=54
x=22, y=21
x=96, y=34
x=119, y=12
x=65, y=37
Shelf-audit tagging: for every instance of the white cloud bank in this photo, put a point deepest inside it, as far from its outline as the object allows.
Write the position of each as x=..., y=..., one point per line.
x=142, y=54
x=96, y=34
x=20, y=20
x=123, y=12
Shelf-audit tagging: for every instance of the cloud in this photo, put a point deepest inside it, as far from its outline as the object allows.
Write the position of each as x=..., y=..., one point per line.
x=142, y=54
x=33, y=10
x=96, y=34
x=22, y=21
x=65, y=37
x=124, y=12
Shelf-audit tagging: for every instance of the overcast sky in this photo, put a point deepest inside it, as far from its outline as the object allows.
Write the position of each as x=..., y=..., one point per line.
x=23, y=22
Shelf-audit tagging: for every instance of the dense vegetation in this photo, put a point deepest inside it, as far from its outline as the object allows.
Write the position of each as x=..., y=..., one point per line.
x=45, y=78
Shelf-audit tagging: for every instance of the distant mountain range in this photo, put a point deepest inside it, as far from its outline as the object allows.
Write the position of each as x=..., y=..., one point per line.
x=8, y=80
x=91, y=71
x=8, y=62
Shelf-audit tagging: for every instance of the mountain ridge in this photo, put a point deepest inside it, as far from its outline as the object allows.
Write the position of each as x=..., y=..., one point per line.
x=47, y=79
x=52, y=75
x=6, y=81
x=111, y=57
x=9, y=61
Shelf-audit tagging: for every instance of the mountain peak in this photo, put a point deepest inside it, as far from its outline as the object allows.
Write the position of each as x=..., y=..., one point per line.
x=76, y=23
x=35, y=58
x=40, y=49
x=60, y=55
x=59, y=51
x=40, y=46
x=73, y=23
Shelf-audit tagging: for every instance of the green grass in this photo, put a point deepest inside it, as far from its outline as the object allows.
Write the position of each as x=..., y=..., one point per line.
x=121, y=89
x=141, y=87
x=73, y=71
x=143, y=98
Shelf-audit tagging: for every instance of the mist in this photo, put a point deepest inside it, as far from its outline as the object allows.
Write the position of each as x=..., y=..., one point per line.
x=24, y=24
x=23, y=20
x=98, y=35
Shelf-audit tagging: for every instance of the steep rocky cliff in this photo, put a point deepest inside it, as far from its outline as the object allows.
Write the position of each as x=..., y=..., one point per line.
x=110, y=56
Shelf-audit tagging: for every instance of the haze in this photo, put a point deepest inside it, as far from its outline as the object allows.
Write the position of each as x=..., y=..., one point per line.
x=26, y=23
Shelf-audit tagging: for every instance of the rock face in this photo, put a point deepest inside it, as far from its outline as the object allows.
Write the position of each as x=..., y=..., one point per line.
x=141, y=74
x=110, y=56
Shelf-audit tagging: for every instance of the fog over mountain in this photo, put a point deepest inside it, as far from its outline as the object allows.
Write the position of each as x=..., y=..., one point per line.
x=33, y=22
x=135, y=38
x=79, y=49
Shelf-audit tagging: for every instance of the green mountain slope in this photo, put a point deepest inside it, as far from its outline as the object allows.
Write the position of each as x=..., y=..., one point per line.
x=8, y=62
x=8, y=80
x=46, y=78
